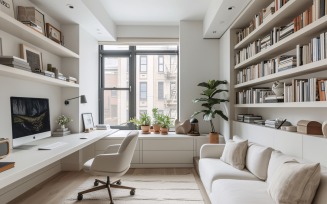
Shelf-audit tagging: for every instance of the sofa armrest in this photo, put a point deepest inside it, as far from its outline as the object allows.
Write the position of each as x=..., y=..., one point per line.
x=211, y=150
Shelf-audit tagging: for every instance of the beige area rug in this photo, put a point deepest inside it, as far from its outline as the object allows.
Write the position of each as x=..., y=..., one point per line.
x=166, y=189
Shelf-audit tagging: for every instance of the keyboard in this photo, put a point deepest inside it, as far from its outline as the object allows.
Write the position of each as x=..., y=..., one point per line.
x=52, y=146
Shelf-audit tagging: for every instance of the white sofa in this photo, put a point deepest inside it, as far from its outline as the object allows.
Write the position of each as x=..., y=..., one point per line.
x=225, y=184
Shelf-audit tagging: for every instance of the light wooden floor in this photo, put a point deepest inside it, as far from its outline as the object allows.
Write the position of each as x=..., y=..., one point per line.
x=56, y=189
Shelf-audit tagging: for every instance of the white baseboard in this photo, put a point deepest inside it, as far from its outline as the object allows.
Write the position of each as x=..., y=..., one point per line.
x=161, y=165
x=18, y=188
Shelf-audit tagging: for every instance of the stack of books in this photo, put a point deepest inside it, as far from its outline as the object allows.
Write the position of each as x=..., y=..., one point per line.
x=61, y=77
x=285, y=31
x=265, y=42
x=47, y=73
x=286, y=62
x=15, y=62
x=252, y=118
x=61, y=132
x=240, y=117
x=103, y=127
x=71, y=79
x=277, y=123
x=274, y=99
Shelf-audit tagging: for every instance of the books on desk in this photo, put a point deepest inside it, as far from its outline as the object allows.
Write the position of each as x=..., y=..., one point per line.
x=103, y=127
x=6, y=165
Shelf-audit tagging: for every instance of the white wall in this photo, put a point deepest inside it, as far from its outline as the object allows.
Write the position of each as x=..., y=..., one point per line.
x=89, y=71
x=147, y=31
x=199, y=59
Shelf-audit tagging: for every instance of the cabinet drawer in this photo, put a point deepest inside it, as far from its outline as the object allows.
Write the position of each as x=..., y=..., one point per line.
x=167, y=157
x=103, y=144
x=135, y=159
x=168, y=144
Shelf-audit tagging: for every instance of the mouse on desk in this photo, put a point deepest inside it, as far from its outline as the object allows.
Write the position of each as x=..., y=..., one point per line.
x=84, y=137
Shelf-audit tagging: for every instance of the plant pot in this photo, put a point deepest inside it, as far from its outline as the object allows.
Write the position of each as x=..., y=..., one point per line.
x=214, y=137
x=145, y=129
x=164, y=131
x=156, y=128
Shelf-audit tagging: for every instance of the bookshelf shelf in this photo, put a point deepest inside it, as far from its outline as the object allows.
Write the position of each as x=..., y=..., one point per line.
x=25, y=75
x=301, y=36
x=317, y=104
x=283, y=15
x=294, y=72
x=16, y=28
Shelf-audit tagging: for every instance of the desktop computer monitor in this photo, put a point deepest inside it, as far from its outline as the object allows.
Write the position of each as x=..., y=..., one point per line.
x=30, y=119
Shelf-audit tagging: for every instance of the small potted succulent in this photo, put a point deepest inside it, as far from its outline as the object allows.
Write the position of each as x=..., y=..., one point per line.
x=63, y=120
x=155, y=121
x=145, y=123
x=165, y=123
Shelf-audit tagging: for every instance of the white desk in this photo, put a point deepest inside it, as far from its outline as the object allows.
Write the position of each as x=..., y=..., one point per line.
x=31, y=160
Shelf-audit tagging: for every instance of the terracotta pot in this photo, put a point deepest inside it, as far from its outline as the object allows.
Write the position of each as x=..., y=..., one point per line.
x=156, y=128
x=214, y=137
x=145, y=129
x=164, y=131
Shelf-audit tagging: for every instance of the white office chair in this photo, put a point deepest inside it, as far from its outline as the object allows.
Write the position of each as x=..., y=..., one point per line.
x=115, y=162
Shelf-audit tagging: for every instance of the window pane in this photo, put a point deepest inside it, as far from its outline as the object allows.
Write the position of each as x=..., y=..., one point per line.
x=156, y=47
x=115, y=47
x=116, y=72
x=161, y=87
x=116, y=109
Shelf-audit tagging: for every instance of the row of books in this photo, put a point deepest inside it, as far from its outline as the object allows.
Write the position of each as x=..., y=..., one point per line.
x=257, y=20
x=249, y=118
x=277, y=123
x=305, y=90
x=265, y=68
x=15, y=62
x=254, y=95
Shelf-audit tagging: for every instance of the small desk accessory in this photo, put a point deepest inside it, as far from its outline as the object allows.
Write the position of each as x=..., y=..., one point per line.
x=4, y=147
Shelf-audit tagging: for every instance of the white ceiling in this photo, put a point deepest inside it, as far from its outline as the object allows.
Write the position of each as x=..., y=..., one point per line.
x=101, y=17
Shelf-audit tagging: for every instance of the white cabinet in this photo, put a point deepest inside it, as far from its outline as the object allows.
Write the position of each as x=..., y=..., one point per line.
x=153, y=151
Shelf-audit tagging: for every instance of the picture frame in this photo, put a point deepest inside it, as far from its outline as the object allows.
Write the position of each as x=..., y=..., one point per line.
x=53, y=33
x=33, y=57
x=7, y=6
x=87, y=121
x=1, y=54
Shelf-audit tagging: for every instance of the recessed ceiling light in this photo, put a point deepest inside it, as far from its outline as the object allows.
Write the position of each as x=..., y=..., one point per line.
x=70, y=6
x=231, y=8
x=214, y=32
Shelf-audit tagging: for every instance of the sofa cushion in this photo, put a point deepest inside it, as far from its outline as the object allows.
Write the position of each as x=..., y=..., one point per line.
x=321, y=194
x=226, y=191
x=277, y=158
x=294, y=183
x=213, y=169
x=257, y=160
x=234, y=153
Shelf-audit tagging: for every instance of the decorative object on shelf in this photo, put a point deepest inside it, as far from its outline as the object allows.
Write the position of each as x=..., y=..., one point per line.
x=7, y=7
x=209, y=102
x=71, y=79
x=182, y=127
x=4, y=147
x=15, y=62
x=83, y=99
x=165, y=123
x=289, y=128
x=53, y=33
x=309, y=127
x=62, y=121
x=194, y=131
x=6, y=165
x=278, y=88
x=155, y=121
x=87, y=121
x=277, y=123
x=1, y=47
x=33, y=57
x=324, y=128
x=32, y=18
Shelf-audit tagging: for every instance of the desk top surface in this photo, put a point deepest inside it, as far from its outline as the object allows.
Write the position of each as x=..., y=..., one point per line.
x=28, y=159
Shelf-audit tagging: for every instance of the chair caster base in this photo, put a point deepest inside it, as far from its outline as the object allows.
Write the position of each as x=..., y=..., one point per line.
x=80, y=197
x=118, y=182
x=96, y=183
x=132, y=192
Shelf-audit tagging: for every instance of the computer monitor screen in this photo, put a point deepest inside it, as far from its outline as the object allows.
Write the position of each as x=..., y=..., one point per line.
x=30, y=119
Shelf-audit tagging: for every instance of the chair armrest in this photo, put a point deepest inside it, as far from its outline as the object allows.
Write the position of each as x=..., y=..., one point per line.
x=111, y=149
x=211, y=151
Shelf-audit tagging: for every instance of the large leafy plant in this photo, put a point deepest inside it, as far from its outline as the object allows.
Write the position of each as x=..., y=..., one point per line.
x=208, y=101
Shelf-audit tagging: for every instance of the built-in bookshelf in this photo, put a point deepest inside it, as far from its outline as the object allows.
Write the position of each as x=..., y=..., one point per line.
x=304, y=35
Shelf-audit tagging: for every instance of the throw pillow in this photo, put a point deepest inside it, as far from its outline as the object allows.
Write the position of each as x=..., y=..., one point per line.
x=277, y=158
x=234, y=154
x=295, y=183
x=257, y=160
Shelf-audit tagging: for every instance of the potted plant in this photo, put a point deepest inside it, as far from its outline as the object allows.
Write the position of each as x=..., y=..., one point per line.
x=208, y=102
x=136, y=122
x=63, y=120
x=145, y=120
x=165, y=123
x=155, y=122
